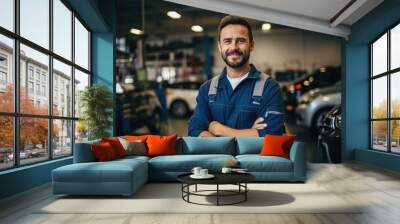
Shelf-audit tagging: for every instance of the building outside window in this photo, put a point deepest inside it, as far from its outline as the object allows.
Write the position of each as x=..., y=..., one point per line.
x=3, y=72
x=384, y=91
x=30, y=72
x=37, y=75
x=55, y=97
x=3, y=78
x=3, y=81
x=38, y=89
x=3, y=61
x=43, y=78
x=30, y=87
x=43, y=90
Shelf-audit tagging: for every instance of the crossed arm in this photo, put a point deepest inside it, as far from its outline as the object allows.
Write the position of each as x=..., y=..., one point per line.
x=217, y=129
x=201, y=123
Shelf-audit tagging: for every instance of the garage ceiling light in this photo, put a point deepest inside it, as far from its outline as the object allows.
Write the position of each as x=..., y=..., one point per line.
x=174, y=15
x=197, y=29
x=136, y=31
x=266, y=27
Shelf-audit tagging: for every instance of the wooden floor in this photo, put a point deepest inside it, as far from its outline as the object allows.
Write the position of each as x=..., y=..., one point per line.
x=377, y=188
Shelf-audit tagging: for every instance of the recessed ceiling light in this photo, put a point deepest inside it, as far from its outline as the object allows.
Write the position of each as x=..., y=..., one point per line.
x=266, y=27
x=174, y=15
x=197, y=28
x=136, y=31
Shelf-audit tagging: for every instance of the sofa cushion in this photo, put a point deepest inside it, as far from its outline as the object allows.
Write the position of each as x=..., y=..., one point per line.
x=257, y=163
x=112, y=171
x=277, y=145
x=249, y=145
x=185, y=163
x=135, y=137
x=133, y=157
x=103, y=152
x=116, y=145
x=206, y=145
x=161, y=145
x=134, y=147
x=83, y=152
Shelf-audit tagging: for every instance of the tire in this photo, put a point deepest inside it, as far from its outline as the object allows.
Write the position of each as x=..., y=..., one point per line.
x=318, y=118
x=179, y=109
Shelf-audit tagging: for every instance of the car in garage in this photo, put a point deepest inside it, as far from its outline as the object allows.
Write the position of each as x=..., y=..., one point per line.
x=329, y=135
x=288, y=76
x=181, y=98
x=315, y=104
x=138, y=107
x=320, y=78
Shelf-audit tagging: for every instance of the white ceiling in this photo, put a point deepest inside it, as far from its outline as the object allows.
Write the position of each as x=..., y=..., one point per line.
x=320, y=9
x=313, y=15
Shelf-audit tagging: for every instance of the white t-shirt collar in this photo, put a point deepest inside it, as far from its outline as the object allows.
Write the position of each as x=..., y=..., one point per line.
x=235, y=81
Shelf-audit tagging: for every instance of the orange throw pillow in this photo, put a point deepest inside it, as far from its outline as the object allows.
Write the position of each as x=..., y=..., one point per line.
x=161, y=145
x=136, y=137
x=277, y=145
x=116, y=145
x=103, y=152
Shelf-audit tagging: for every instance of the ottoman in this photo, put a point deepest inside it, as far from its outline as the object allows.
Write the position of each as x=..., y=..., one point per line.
x=119, y=177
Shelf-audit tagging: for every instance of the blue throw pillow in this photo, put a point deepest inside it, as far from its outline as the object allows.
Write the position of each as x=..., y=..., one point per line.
x=83, y=153
x=249, y=145
x=207, y=145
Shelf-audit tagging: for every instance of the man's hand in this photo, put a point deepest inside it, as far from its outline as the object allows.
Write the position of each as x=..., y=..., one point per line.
x=206, y=134
x=259, y=124
x=215, y=127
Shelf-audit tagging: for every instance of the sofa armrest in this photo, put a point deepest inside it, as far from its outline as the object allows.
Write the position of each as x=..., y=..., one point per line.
x=83, y=153
x=298, y=157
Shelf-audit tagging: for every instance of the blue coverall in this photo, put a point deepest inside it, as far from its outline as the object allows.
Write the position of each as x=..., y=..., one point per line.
x=236, y=109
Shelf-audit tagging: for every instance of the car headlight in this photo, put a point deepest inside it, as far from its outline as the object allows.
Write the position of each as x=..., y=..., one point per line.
x=304, y=100
x=309, y=97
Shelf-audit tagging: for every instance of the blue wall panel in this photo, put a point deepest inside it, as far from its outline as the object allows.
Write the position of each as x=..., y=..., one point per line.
x=24, y=178
x=380, y=159
x=356, y=102
x=89, y=11
x=103, y=63
x=103, y=53
x=356, y=94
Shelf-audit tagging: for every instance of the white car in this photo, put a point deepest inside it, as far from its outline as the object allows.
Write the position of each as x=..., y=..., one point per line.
x=181, y=98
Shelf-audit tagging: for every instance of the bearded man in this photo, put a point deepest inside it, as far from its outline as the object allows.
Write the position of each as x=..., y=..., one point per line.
x=241, y=101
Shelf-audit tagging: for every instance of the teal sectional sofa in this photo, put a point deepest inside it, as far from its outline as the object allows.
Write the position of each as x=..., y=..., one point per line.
x=125, y=176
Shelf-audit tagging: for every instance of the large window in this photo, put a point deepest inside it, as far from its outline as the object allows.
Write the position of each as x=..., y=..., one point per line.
x=385, y=92
x=44, y=64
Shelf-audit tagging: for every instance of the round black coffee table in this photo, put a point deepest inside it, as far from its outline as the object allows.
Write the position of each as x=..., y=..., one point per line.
x=238, y=179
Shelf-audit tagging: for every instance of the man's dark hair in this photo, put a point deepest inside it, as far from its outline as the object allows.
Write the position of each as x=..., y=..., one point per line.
x=234, y=20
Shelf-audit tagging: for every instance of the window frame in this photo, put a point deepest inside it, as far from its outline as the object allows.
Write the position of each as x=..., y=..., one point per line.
x=388, y=74
x=16, y=114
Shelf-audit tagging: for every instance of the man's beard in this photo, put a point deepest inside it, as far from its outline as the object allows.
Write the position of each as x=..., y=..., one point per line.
x=245, y=58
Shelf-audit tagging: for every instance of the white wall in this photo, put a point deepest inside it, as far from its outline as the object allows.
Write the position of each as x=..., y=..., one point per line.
x=290, y=50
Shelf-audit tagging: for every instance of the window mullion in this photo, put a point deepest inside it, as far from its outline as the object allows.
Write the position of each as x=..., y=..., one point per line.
x=16, y=85
x=389, y=106
x=50, y=81
x=371, y=89
x=73, y=82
